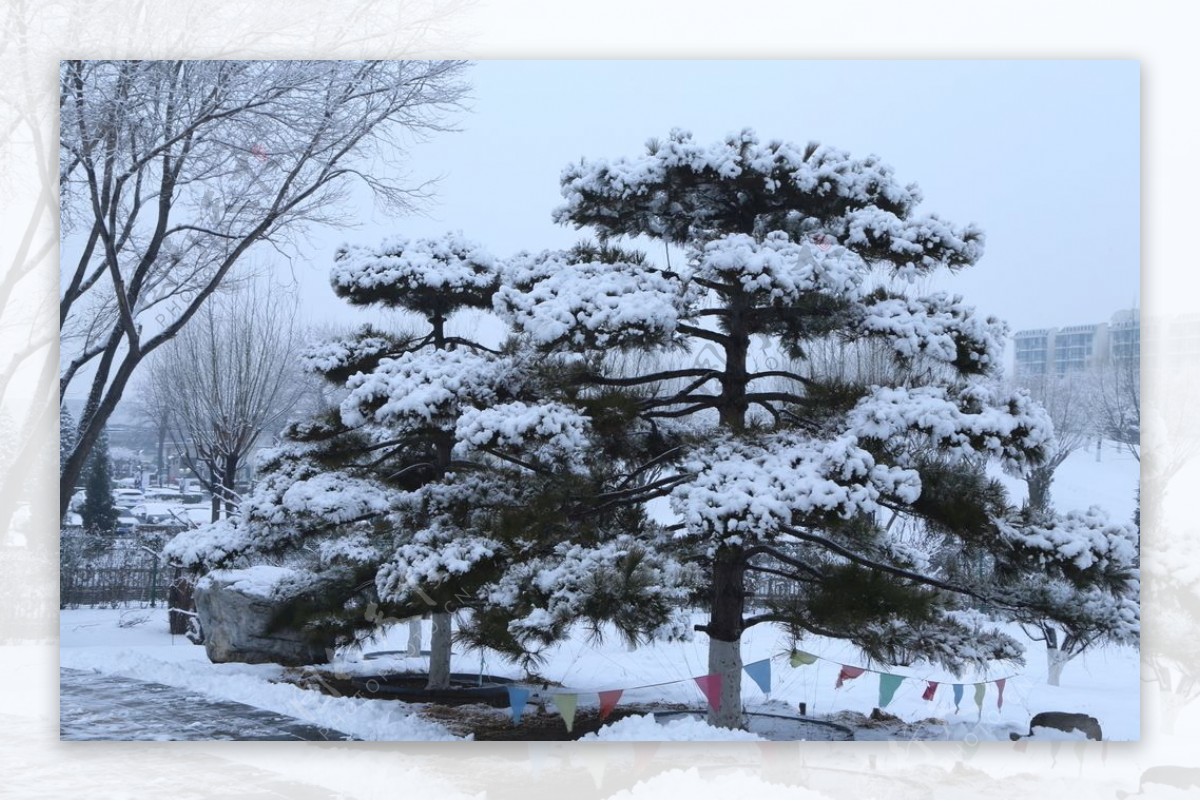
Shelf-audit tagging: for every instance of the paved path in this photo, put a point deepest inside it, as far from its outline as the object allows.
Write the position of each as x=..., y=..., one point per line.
x=97, y=706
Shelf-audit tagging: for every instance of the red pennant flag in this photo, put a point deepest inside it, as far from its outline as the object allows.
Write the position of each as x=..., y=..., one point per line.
x=710, y=685
x=608, y=702
x=1000, y=698
x=848, y=673
x=930, y=689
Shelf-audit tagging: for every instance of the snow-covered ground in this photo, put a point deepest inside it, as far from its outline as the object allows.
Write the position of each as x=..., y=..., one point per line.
x=1103, y=683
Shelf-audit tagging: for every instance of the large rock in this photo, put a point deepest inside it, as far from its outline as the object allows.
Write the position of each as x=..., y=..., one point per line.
x=236, y=607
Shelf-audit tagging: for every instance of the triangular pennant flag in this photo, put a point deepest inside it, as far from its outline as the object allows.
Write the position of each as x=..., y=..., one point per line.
x=710, y=685
x=887, y=688
x=566, y=703
x=980, y=689
x=608, y=702
x=517, y=696
x=760, y=671
x=848, y=672
x=958, y=688
x=1000, y=698
x=801, y=658
x=930, y=689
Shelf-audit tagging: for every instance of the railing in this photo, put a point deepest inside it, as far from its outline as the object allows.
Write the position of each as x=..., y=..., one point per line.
x=101, y=571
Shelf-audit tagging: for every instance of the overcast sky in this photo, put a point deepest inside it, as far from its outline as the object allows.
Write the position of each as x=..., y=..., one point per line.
x=1043, y=155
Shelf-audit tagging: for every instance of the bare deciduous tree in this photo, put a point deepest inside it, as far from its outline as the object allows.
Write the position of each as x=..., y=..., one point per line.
x=172, y=170
x=228, y=378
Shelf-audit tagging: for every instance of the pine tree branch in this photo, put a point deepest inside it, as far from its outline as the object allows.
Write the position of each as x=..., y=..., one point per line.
x=704, y=333
x=928, y=581
x=665, y=375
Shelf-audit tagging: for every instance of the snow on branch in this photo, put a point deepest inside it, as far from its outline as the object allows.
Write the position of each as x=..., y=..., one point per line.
x=426, y=387
x=742, y=491
x=332, y=357
x=423, y=275
x=975, y=420
x=546, y=433
x=940, y=327
x=682, y=191
x=556, y=301
x=430, y=557
x=1089, y=540
x=778, y=270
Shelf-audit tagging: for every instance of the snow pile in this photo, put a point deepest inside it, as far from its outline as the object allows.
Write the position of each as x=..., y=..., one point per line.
x=639, y=728
x=261, y=581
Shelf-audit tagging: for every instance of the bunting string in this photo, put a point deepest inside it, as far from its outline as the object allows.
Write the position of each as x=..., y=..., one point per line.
x=566, y=700
x=890, y=682
x=800, y=658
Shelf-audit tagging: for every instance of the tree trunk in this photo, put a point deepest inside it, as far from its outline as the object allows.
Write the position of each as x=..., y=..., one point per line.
x=414, y=636
x=439, y=652
x=1039, y=481
x=228, y=480
x=725, y=635
x=1056, y=660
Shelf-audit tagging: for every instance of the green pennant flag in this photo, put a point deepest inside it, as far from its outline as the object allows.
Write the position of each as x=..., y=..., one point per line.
x=566, y=703
x=801, y=658
x=887, y=688
x=980, y=689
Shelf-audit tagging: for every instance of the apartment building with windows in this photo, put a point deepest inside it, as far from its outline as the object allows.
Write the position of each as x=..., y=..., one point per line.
x=1043, y=351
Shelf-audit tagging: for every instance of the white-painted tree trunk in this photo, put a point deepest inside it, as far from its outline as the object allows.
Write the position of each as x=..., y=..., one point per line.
x=725, y=658
x=414, y=636
x=1056, y=660
x=439, y=652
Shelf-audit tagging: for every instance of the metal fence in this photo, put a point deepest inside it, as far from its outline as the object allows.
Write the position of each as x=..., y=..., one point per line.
x=101, y=571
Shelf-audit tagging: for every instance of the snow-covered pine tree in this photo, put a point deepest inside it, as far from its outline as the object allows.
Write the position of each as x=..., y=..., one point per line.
x=98, y=512
x=790, y=475
x=66, y=433
x=1071, y=611
x=452, y=476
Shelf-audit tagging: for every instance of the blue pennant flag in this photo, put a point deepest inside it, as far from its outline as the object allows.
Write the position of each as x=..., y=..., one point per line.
x=760, y=671
x=958, y=690
x=517, y=696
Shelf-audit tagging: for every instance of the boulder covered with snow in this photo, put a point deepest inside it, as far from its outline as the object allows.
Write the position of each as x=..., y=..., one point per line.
x=236, y=608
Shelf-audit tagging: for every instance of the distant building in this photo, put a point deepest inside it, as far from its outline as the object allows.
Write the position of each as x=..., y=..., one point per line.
x=1058, y=351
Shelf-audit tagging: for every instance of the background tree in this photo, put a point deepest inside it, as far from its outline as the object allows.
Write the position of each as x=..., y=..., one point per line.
x=1118, y=402
x=151, y=402
x=98, y=512
x=1090, y=616
x=227, y=379
x=171, y=171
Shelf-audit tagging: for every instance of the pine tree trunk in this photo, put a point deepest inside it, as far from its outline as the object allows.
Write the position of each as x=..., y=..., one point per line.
x=414, y=636
x=439, y=652
x=1039, y=488
x=1056, y=660
x=725, y=635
